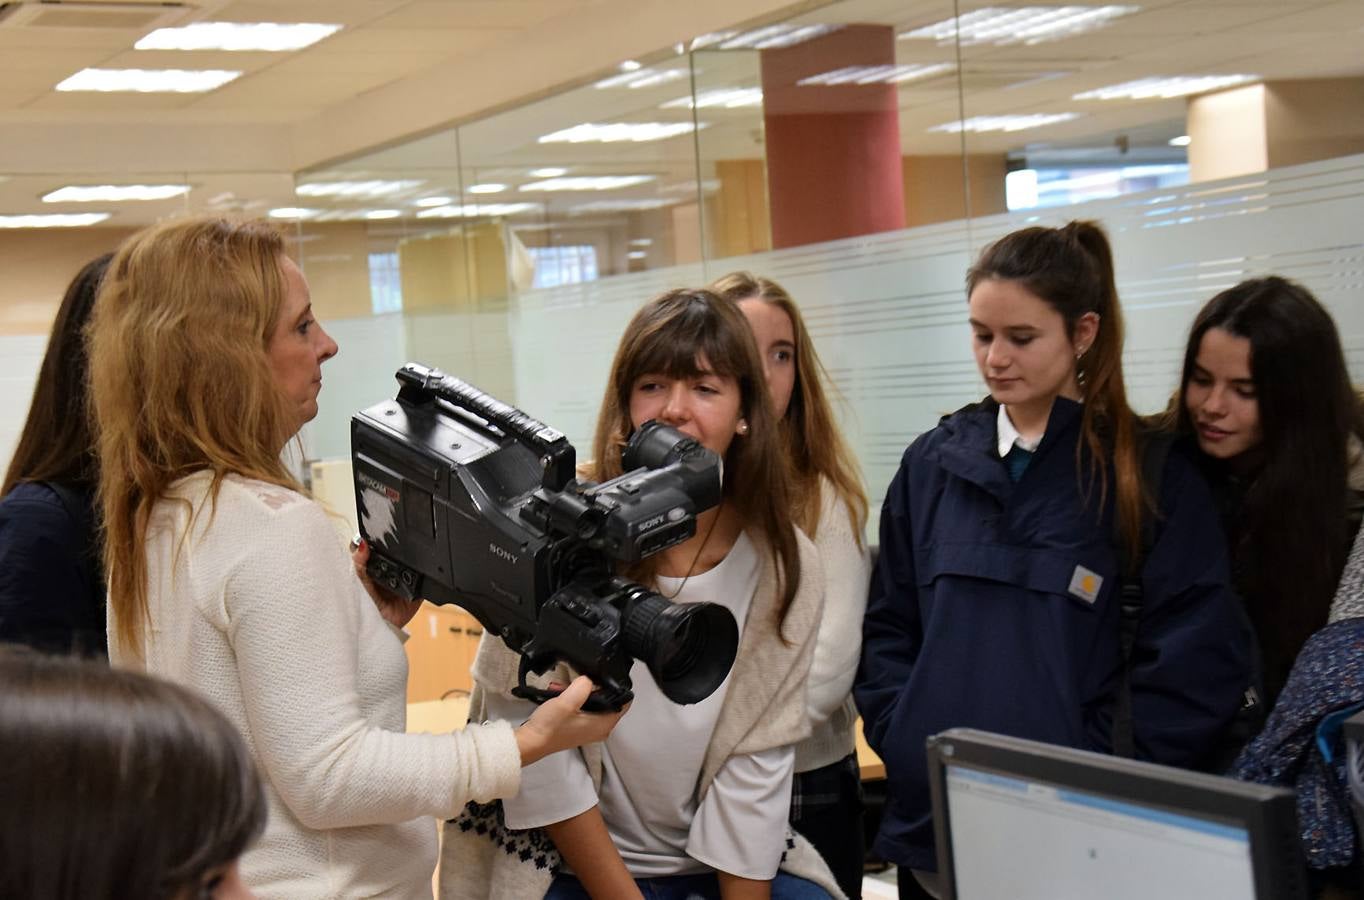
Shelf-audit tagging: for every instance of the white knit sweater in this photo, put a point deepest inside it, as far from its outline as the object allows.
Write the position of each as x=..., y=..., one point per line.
x=260, y=610
x=847, y=573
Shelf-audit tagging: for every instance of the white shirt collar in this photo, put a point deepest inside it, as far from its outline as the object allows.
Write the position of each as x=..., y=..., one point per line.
x=1008, y=435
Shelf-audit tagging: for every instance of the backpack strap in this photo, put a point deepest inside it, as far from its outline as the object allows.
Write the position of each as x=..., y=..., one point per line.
x=1155, y=449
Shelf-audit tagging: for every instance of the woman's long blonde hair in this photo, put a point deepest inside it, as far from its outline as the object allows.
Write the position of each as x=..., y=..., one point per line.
x=810, y=436
x=180, y=381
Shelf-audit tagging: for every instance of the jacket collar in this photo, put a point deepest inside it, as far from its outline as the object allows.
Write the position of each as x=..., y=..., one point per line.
x=970, y=448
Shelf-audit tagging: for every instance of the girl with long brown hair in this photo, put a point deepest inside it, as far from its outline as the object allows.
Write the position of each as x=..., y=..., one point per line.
x=691, y=800
x=830, y=506
x=995, y=602
x=205, y=358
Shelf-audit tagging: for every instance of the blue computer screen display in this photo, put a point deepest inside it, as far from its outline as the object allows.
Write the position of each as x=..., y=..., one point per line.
x=1015, y=839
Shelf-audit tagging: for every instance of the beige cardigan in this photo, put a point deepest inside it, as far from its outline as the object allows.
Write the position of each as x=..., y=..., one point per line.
x=764, y=708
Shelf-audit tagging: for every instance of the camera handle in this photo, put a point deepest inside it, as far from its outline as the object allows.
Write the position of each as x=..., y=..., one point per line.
x=600, y=700
x=421, y=383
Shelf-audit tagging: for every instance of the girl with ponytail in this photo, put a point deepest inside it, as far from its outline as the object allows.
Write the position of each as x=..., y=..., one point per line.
x=995, y=599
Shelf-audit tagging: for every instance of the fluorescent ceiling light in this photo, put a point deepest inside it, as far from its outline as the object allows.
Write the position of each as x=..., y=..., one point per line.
x=434, y=201
x=148, y=81
x=100, y=193
x=548, y=172
x=1164, y=88
x=886, y=74
x=641, y=78
x=355, y=188
x=636, y=254
x=271, y=37
x=292, y=212
x=768, y=38
x=586, y=183
x=1004, y=123
x=383, y=213
x=1182, y=141
x=52, y=220
x=1019, y=25
x=642, y=242
x=611, y=206
x=637, y=132
x=728, y=98
x=629, y=66
x=470, y=210
x=488, y=188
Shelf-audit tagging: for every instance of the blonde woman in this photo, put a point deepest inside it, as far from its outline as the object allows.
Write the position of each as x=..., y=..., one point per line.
x=831, y=507
x=205, y=358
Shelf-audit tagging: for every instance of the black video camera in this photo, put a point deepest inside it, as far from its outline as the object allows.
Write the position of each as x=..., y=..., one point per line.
x=466, y=500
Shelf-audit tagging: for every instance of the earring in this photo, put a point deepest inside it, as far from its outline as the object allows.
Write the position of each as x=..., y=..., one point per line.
x=742, y=428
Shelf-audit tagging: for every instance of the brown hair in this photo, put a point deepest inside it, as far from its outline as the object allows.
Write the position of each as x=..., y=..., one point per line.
x=1071, y=268
x=672, y=335
x=55, y=444
x=811, y=438
x=116, y=784
x=180, y=381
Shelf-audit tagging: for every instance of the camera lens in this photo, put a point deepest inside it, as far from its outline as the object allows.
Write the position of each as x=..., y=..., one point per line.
x=688, y=647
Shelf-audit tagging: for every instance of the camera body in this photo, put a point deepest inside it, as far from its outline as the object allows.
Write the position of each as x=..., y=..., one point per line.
x=469, y=501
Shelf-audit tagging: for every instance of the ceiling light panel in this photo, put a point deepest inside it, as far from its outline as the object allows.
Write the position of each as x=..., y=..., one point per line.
x=53, y=220
x=148, y=81
x=268, y=37
x=116, y=193
x=886, y=74
x=292, y=212
x=771, y=37
x=616, y=132
x=433, y=201
x=587, y=183
x=641, y=78
x=1164, y=88
x=1019, y=25
x=471, y=210
x=724, y=98
x=486, y=188
x=1182, y=140
x=1003, y=123
x=356, y=189
x=615, y=206
x=548, y=172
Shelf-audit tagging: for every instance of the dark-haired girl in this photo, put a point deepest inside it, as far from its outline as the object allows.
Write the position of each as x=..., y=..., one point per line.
x=1266, y=395
x=994, y=602
x=51, y=580
x=680, y=801
x=117, y=784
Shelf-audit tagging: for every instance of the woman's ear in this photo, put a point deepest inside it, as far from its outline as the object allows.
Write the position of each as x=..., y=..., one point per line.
x=1086, y=332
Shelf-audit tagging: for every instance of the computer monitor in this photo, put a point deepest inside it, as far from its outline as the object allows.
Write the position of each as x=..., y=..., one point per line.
x=1020, y=820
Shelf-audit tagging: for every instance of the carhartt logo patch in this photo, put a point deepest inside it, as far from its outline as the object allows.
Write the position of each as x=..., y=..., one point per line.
x=1086, y=584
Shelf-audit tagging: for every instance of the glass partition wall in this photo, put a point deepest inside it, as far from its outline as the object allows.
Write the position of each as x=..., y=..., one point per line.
x=860, y=154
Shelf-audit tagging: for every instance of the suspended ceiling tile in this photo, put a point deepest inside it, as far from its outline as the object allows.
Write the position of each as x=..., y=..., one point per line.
x=394, y=63
x=449, y=41
x=313, y=89
x=479, y=13
x=339, y=12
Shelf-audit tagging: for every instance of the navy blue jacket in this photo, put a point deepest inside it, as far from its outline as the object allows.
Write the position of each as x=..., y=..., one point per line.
x=977, y=615
x=51, y=583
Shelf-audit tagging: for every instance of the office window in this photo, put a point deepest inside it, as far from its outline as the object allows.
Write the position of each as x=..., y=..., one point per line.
x=385, y=283
x=555, y=266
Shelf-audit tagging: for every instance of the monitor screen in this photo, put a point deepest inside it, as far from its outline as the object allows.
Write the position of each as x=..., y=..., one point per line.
x=1022, y=820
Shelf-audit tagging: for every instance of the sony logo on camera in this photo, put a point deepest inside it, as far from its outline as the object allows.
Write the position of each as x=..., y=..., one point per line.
x=502, y=553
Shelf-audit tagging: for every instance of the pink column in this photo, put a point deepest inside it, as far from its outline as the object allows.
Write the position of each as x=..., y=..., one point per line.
x=833, y=152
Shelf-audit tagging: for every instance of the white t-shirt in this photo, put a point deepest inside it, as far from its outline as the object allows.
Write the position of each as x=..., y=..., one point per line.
x=652, y=762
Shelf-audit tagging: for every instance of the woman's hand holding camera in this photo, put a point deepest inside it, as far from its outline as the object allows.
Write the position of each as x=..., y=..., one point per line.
x=560, y=724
